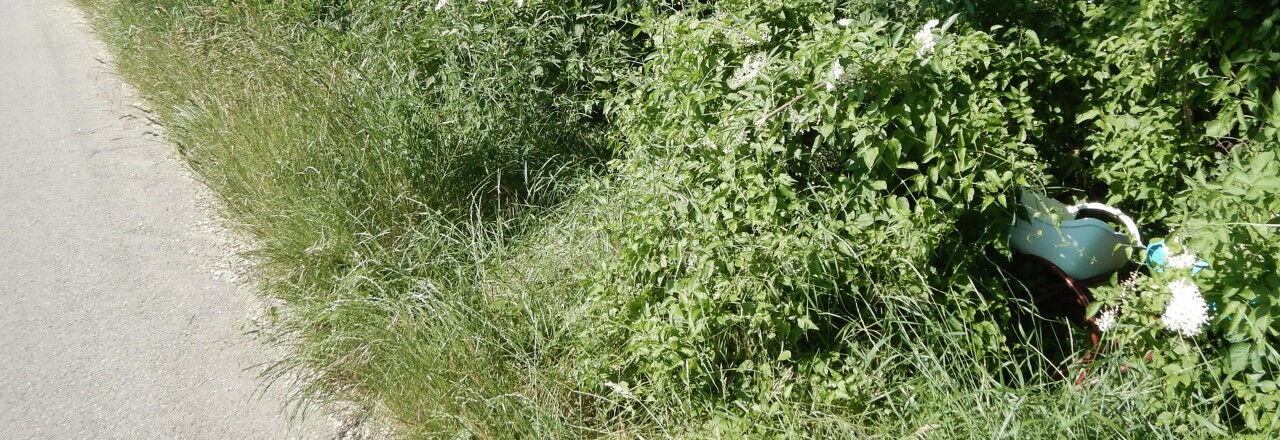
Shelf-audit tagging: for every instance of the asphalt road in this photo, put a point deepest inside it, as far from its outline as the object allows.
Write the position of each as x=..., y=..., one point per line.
x=113, y=324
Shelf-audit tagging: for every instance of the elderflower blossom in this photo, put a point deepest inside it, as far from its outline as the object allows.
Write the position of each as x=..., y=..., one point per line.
x=1187, y=312
x=764, y=35
x=751, y=68
x=795, y=116
x=1106, y=320
x=924, y=39
x=838, y=75
x=1131, y=289
x=741, y=35
x=1183, y=261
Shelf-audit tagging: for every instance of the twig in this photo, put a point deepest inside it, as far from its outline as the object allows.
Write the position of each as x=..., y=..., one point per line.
x=765, y=118
x=1259, y=225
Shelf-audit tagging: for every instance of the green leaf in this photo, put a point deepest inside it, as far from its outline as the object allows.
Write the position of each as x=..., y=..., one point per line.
x=1219, y=430
x=1217, y=128
x=1086, y=116
x=1031, y=35
x=1274, y=116
x=869, y=156
x=1238, y=357
x=1092, y=310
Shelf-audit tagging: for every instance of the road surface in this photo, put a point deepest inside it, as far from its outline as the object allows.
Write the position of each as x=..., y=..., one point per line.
x=112, y=323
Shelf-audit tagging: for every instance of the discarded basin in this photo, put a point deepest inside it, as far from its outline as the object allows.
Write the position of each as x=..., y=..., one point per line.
x=1082, y=248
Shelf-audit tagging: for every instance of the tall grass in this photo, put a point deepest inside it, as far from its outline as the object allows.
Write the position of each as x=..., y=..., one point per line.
x=390, y=214
x=427, y=189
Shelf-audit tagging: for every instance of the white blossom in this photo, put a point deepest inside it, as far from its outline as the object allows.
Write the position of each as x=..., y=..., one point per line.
x=728, y=143
x=844, y=22
x=837, y=75
x=1106, y=320
x=1187, y=312
x=752, y=40
x=795, y=116
x=751, y=68
x=1129, y=288
x=1183, y=261
x=440, y=4
x=924, y=39
x=740, y=36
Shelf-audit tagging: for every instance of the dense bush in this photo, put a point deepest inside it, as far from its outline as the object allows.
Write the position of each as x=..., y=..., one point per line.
x=785, y=218
x=758, y=230
x=767, y=240
x=1181, y=107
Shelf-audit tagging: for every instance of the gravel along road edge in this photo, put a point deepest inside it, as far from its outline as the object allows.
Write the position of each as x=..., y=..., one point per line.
x=122, y=311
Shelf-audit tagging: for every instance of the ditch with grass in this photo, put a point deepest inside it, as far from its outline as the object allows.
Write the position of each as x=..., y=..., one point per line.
x=781, y=219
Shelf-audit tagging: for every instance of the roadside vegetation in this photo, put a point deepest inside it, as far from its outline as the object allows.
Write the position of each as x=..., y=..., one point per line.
x=563, y=219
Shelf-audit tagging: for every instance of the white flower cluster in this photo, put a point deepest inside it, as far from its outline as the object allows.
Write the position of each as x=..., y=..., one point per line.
x=751, y=68
x=1106, y=320
x=440, y=4
x=844, y=22
x=1187, y=312
x=1129, y=289
x=747, y=39
x=924, y=39
x=837, y=76
x=1130, y=285
x=795, y=116
x=1183, y=261
x=741, y=35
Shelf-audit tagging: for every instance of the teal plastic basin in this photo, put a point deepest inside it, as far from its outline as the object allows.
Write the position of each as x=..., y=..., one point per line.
x=1082, y=248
